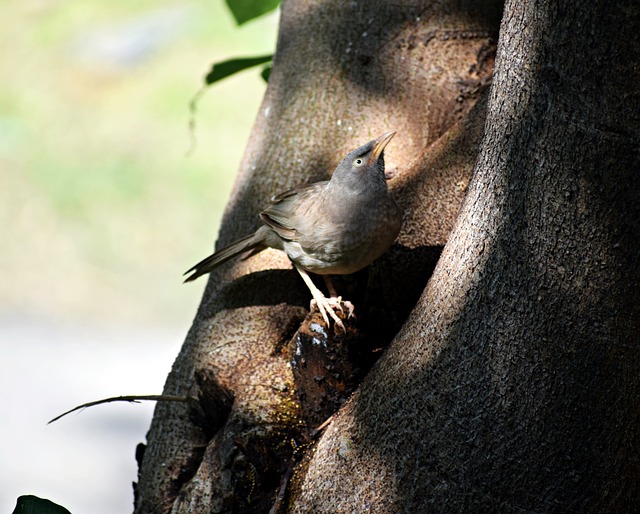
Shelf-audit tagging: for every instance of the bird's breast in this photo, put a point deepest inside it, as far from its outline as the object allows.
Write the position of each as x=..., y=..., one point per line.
x=343, y=239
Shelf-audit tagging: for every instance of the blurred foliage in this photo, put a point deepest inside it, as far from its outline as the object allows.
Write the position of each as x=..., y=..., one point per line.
x=245, y=10
x=33, y=505
x=101, y=209
x=224, y=69
x=266, y=72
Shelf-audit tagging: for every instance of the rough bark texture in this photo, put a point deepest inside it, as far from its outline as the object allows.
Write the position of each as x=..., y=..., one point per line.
x=344, y=72
x=515, y=384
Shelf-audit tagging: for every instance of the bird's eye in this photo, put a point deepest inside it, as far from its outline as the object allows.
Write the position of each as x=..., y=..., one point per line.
x=358, y=162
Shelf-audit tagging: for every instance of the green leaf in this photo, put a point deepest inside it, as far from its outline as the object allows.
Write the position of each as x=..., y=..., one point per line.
x=34, y=505
x=266, y=72
x=221, y=70
x=245, y=10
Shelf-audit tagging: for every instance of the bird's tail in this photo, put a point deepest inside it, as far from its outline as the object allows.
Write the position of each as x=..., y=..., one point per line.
x=228, y=252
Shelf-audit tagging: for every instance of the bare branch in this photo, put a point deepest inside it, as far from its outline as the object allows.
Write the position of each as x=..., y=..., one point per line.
x=130, y=399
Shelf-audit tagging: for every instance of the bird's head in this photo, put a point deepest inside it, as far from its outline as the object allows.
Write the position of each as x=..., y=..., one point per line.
x=364, y=164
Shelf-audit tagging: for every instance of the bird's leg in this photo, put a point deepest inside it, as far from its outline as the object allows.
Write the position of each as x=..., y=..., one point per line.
x=324, y=305
x=330, y=286
x=335, y=300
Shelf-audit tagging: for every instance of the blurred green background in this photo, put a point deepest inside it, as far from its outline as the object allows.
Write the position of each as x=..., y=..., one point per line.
x=102, y=204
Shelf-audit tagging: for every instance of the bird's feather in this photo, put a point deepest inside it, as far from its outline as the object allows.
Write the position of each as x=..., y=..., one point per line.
x=283, y=215
x=206, y=265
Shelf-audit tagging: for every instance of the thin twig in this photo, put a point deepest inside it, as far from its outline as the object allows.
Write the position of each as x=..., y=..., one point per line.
x=130, y=399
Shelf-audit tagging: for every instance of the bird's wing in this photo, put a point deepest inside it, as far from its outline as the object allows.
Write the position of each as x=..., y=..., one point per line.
x=268, y=218
x=283, y=215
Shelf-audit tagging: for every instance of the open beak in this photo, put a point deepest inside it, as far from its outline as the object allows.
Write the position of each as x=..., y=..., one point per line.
x=380, y=143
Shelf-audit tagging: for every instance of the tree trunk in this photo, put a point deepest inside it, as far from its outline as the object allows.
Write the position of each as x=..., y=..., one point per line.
x=344, y=72
x=515, y=384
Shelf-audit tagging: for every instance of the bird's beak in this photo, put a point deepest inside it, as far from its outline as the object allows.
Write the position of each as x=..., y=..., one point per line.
x=380, y=143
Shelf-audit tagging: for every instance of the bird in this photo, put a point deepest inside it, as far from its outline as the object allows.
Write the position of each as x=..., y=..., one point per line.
x=332, y=227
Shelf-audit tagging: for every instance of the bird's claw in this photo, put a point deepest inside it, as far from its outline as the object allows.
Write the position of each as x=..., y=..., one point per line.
x=349, y=306
x=337, y=303
x=328, y=306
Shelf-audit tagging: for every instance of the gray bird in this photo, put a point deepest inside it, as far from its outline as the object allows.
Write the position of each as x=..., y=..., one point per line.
x=333, y=227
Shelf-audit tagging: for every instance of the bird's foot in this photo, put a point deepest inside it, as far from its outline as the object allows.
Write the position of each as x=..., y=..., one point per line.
x=339, y=304
x=328, y=306
x=326, y=309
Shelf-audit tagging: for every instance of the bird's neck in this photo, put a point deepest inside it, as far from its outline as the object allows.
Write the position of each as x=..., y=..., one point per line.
x=360, y=187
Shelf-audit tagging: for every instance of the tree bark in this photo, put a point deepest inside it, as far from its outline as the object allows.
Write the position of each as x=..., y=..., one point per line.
x=515, y=383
